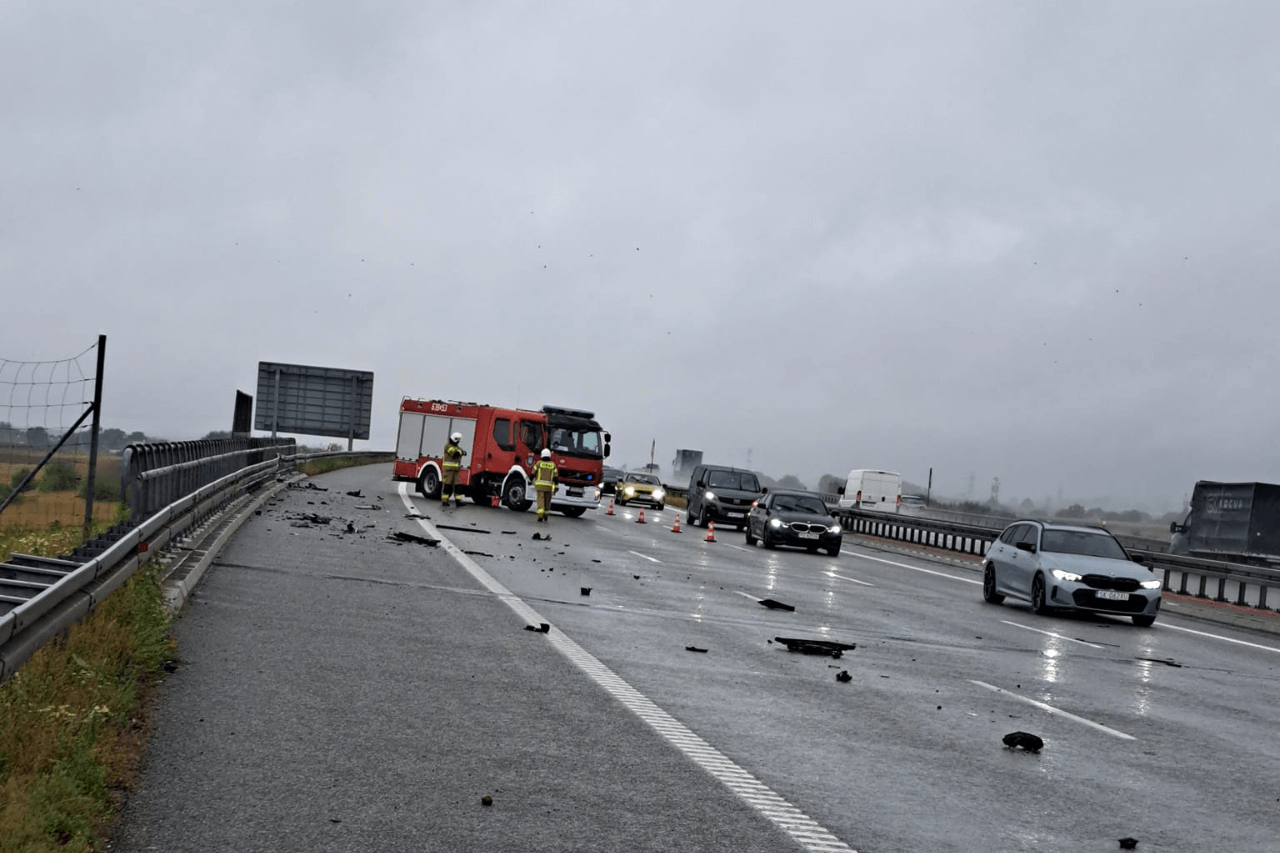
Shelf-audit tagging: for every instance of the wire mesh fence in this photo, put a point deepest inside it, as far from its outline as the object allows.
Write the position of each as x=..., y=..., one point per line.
x=48, y=476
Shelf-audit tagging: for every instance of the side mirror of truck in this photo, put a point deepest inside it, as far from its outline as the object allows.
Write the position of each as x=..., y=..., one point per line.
x=840, y=490
x=1174, y=527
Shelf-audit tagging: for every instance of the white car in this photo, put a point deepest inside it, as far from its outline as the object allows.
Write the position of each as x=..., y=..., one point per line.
x=1065, y=567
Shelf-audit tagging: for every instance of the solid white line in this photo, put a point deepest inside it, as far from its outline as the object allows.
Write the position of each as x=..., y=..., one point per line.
x=918, y=569
x=1166, y=624
x=1051, y=634
x=1052, y=710
x=645, y=557
x=850, y=580
x=805, y=831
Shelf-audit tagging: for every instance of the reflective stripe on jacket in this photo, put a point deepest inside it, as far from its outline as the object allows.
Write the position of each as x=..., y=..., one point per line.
x=544, y=474
x=452, y=456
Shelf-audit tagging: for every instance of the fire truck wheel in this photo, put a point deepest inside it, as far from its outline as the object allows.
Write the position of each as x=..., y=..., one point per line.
x=513, y=495
x=429, y=483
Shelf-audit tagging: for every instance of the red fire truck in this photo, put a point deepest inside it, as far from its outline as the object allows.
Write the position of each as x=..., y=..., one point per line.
x=502, y=445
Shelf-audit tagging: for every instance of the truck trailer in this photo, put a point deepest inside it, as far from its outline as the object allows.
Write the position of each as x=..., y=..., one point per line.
x=1237, y=522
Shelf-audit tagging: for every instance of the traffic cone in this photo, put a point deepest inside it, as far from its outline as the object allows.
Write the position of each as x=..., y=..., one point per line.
x=675, y=528
x=610, y=512
x=640, y=520
x=493, y=500
x=711, y=531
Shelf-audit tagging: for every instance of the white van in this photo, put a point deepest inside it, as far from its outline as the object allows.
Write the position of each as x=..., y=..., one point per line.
x=872, y=490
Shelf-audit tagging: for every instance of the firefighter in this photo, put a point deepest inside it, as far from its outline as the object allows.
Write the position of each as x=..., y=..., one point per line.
x=545, y=476
x=451, y=462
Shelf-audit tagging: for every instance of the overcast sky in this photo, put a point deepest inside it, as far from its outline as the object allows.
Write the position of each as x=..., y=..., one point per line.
x=1032, y=241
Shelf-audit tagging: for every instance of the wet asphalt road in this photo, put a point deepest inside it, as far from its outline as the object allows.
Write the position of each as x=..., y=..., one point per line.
x=340, y=691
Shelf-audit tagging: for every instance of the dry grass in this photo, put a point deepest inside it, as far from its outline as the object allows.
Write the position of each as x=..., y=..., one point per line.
x=38, y=509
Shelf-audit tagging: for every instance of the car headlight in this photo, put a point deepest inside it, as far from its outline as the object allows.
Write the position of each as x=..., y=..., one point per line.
x=1066, y=576
x=629, y=490
x=658, y=494
x=708, y=495
x=1151, y=584
x=835, y=528
x=775, y=523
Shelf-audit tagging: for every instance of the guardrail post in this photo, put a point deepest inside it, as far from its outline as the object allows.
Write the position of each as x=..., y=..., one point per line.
x=1222, y=590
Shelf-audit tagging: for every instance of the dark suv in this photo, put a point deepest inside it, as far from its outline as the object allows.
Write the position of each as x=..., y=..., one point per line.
x=722, y=494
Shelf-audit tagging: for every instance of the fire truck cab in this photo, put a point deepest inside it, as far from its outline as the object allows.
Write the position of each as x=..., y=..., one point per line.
x=502, y=446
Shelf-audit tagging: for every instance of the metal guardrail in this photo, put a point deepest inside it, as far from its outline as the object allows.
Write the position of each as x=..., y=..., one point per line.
x=155, y=475
x=1191, y=575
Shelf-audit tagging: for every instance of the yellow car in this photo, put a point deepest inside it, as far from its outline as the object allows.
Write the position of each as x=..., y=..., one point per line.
x=642, y=487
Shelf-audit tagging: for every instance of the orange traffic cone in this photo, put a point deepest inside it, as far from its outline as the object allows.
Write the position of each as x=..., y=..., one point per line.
x=493, y=500
x=675, y=528
x=711, y=531
x=610, y=512
x=640, y=520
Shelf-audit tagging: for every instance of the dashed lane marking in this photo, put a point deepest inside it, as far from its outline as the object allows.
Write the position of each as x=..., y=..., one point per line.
x=1055, y=711
x=646, y=557
x=804, y=830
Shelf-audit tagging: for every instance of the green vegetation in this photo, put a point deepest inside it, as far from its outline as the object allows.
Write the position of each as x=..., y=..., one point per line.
x=326, y=464
x=59, y=477
x=69, y=718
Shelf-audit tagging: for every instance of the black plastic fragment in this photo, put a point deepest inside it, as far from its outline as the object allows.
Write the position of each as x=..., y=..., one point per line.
x=816, y=647
x=400, y=536
x=694, y=649
x=776, y=605
x=1023, y=740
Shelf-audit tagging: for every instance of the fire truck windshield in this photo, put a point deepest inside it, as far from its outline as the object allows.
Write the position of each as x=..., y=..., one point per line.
x=584, y=443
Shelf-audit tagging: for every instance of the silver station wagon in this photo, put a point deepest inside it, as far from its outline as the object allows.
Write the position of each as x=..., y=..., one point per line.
x=1066, y=567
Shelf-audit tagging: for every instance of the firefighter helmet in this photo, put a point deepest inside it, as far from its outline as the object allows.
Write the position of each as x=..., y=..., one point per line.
x=456, y=438
x=546, y=453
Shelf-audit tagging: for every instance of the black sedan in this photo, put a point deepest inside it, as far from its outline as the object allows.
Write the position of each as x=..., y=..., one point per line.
x=797, y=519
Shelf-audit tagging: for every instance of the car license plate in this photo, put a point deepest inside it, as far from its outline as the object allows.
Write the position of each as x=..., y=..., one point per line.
x=736, y=514
x=575, y=493
x=1112, y=595
x=808, y=536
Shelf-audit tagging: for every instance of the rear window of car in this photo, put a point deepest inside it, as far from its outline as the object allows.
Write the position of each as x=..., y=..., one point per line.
x=1081, y=542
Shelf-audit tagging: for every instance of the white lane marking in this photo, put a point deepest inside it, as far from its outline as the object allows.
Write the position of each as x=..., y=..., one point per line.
x=804, y=830
x=1051, y=634
x=1052, y=710
x=645, y=557
x=850, y=580
x=1220, y=637
x=917, y=569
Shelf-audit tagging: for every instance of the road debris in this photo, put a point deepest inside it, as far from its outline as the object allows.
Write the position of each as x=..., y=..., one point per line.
x=1023, y=740
x=586, y=590
x=816, y=647
x=843, y=676
x=308, y=485
x=1128, y=843
x=541, y=627
x=477, y=554
x=776, y=605
x=356, y=494
x=455, y=527
x=486, y=800
x=694, y=649
x=410, y=537
x=538, y=537
x=368, y=506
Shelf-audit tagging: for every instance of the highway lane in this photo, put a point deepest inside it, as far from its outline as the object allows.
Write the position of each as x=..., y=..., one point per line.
x=1164, y=734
